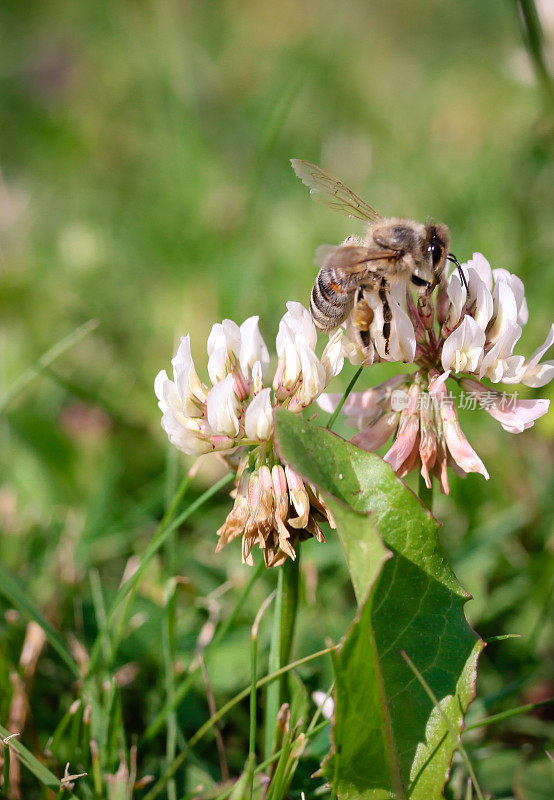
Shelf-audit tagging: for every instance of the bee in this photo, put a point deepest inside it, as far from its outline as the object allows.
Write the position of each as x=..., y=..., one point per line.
x=394, y=250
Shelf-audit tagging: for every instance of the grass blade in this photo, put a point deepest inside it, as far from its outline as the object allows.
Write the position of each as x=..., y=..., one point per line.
x=19, y=598
x=32, y=763
x=45, y=360
x=166, y=527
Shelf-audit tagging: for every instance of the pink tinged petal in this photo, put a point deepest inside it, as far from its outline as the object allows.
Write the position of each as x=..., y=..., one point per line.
x=438, y=381
x=428, y=441
x=187, y=381
x=480, y=301
x=482, y=267
x=494, y=364
x=440, y=467
x=223, y=408
x=252, y=346
x=411, y=461
x=332, y=357
x=408, y=429
x=299, y=499
x=375, y=435
x=460, y=449
x=362, y=408
x=513, y=414
x=463, y=349
x=258, y=420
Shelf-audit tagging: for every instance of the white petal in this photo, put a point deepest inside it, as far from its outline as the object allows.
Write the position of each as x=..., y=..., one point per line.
x=516, y=285
x=532, y=373
x=252, y=346
x=494, y=364
x=332, y=357
x=538, y=376
x=314, y=378
x=219, y=365
x=224, y=334
x=505, y=310
x=223, y=407
x=402, y=342
x=258, y=421
x=299, y=322
x=482, y=267
x=463, y=349
x=182, y=438
x=187, y=381
x=292, y=362
x=457, y=295
x=159, y=383
x=481, y=303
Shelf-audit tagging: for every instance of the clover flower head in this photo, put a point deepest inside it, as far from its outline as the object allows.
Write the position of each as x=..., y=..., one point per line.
x=233, y=415
x=466, y=332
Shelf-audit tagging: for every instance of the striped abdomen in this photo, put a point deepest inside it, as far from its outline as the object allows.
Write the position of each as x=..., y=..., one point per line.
x=330, y=302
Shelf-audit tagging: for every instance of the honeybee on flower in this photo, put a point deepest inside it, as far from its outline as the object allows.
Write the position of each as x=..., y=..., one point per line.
x=469, y=335
x=274, y=508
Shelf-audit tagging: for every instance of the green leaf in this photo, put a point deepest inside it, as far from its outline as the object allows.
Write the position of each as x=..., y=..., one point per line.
x=390, y=741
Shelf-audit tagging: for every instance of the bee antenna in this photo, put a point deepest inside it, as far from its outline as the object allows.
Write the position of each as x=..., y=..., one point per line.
x=452, y=258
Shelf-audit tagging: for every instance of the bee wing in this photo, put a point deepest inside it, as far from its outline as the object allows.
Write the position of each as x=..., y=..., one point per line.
x=351, y=258
x=331, y=192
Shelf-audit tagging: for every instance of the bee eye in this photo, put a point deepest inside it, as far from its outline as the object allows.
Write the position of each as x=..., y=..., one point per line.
x=435, y=250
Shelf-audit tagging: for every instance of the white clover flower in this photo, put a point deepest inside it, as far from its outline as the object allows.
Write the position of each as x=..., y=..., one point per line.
x=234, y=416
x=467, y=336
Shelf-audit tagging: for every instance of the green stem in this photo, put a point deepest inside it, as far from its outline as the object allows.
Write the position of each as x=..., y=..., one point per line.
x=253, y=692
x=336, y=412
x=284, y=621
x=533, y=38
x=425, y=494
x=513, y=712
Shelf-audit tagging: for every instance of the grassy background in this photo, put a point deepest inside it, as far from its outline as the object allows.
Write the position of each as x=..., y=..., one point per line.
x=146, y=184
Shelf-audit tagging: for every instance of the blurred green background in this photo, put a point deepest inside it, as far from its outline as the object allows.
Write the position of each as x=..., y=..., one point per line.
x=145, y=183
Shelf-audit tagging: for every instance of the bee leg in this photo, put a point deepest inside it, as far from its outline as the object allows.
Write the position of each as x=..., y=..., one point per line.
x=363, y=317
x=387, y=314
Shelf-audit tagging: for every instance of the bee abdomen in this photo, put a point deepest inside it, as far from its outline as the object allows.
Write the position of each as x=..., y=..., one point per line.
x=330, y=303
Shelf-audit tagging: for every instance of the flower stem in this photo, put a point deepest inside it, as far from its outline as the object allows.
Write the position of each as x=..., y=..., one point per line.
x=284, y=620
x=336, y=412
x=425, y=493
